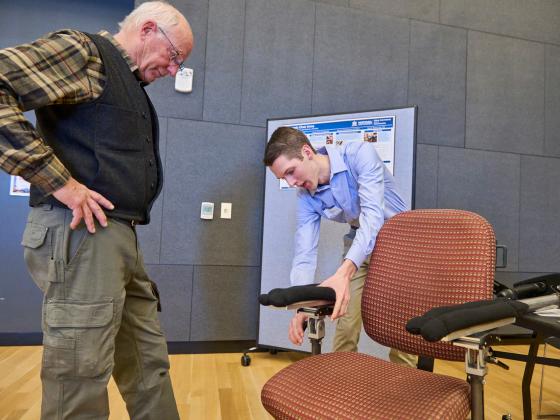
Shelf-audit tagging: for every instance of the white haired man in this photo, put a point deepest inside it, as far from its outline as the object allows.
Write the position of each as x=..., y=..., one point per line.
x=94, y=168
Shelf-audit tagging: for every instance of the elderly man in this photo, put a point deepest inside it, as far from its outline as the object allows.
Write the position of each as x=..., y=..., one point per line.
x=94, y=168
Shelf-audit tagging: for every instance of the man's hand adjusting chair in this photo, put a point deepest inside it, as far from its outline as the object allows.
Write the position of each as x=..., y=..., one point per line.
x=422, y=259
x=315, y=302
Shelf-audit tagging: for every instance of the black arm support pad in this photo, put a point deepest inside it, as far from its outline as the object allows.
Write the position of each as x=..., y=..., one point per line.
x=551, y=279
x=535, y=286
x=439, y=322
x=294, y=294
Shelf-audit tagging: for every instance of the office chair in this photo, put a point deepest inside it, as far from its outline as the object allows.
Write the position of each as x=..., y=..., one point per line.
x=422, y=259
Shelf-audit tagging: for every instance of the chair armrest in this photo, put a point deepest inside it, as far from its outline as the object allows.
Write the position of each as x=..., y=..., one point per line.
x=440, y=322
x=472, y=317
x=535, y=286
x=299, y=296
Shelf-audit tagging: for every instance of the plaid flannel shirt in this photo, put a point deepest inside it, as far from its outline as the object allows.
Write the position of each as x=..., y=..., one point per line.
x=64, y=67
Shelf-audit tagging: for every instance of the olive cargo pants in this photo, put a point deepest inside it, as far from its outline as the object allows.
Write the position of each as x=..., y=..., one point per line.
x=99, y=319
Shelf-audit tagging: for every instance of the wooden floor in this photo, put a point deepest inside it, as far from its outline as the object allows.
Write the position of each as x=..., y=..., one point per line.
x=216, y=386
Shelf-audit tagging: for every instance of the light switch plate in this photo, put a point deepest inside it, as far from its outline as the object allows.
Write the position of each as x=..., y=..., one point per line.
x=225, y=211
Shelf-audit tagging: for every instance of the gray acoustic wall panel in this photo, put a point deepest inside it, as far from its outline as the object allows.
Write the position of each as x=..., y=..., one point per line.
x=150, y=235
x=436, y=82
x=224, y=61
x=17, y=289
x=415, y=9
x=486, y=183
x=220, y=312
x=537, y=20
x=213, y=163
x=426, y=177
x=167, y=101
x=20, y=298
x=175, y=285
x=505, y=94
x=278, y=59
x=334, y=2
x=539, y=221
x=26, y=20
x=361, y=61
x=552, y=104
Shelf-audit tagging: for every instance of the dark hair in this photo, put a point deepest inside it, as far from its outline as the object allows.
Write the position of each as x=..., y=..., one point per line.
x=285, y=141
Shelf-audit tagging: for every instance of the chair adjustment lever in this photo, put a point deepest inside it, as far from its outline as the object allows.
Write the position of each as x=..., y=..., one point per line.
x=494, y=360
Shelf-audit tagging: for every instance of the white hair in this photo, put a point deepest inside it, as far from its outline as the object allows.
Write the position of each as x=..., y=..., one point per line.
x=161, y=12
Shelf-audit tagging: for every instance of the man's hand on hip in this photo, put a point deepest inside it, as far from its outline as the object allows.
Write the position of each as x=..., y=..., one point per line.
x=84, y=203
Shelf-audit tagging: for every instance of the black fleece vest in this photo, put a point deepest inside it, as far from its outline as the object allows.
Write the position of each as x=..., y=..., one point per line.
x=109, y=144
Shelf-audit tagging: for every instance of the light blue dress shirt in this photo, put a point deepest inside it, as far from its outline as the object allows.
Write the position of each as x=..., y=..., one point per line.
x=361, y=192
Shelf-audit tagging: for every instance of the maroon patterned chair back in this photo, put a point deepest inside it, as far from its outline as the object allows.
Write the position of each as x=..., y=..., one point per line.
x=423, y=259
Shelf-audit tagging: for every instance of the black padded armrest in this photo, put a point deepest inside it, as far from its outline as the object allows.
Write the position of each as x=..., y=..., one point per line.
x=294, y=294
x=552, y=279
x=535, y=286
x=440, y=322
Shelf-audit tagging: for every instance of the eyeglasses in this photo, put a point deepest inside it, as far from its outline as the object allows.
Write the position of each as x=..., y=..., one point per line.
x=174, y=55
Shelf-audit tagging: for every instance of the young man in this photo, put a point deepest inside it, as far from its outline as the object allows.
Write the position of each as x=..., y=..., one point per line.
x=346, y=184
x=93, y=162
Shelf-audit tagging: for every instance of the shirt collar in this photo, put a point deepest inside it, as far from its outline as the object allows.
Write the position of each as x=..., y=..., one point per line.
x=319, y=189
x=131, y=64
x=337, y=165
x=336, y=161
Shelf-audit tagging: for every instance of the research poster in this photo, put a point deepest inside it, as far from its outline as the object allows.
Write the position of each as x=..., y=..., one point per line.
x=377, y=130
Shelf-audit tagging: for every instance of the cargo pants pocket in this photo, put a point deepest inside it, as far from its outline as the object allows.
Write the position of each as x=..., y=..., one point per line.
x=38, y=254
x=79, y=338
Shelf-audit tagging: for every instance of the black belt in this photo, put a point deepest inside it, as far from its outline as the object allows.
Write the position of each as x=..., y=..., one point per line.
x=131, y=223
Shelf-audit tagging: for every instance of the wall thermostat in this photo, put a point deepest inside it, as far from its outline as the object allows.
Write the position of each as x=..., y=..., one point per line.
x=207, y=210
x=184, y=80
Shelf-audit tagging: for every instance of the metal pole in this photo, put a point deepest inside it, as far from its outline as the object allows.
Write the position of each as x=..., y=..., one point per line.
x=315, y=346
x=527, y=376
x=477, y=397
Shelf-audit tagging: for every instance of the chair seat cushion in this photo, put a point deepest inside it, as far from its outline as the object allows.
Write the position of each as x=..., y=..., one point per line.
x=357, y=386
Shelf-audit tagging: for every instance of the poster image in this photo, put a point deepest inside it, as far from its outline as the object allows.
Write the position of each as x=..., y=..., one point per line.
x=19, y=186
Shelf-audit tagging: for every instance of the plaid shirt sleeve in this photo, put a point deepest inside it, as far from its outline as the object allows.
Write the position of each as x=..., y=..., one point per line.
x=62, y=68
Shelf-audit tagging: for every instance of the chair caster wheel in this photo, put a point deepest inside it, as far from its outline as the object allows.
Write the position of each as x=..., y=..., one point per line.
x=245, y=360
x=506, y=417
